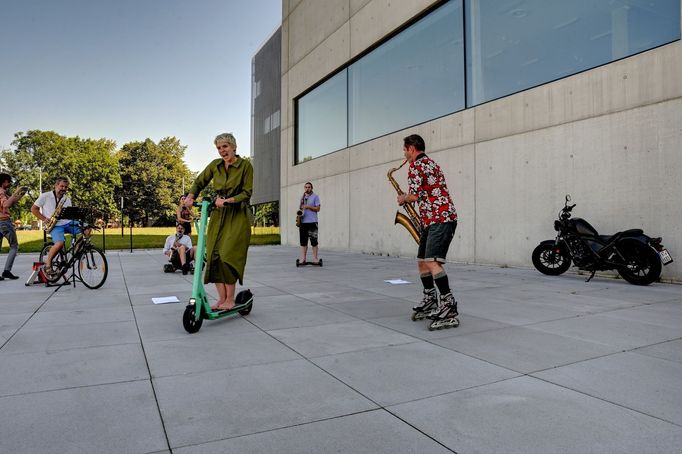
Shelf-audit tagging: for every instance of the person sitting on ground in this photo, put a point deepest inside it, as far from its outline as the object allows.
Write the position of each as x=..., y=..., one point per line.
x=179, y=249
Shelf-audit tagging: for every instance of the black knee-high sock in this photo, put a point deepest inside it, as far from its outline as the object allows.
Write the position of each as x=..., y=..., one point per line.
x=427, y=281
x=441, y=280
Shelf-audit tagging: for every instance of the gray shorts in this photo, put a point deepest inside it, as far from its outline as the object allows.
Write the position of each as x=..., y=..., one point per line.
x=435, y=242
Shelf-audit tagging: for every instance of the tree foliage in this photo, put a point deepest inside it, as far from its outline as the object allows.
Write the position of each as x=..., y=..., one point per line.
x=152, y=178
x=45, y=155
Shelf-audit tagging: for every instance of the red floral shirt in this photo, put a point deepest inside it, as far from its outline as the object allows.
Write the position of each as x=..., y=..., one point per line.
x=426, y=180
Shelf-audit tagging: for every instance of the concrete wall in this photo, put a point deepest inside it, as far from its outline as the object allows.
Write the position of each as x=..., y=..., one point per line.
x=609, y=136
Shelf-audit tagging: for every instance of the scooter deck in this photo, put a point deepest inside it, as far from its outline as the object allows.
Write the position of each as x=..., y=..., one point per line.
x=212, y=315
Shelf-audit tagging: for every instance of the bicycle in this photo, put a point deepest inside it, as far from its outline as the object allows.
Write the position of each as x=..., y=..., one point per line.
x=89, y=260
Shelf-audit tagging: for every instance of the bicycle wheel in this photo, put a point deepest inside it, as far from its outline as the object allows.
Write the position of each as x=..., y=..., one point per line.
x=59, y=265
x=92, y=268
x=44, y=252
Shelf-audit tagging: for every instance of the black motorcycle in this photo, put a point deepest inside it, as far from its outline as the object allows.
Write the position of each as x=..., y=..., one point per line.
x=636, y=256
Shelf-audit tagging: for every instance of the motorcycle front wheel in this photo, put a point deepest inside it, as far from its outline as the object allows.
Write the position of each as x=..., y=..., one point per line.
x=642, y=264
x=548, y=261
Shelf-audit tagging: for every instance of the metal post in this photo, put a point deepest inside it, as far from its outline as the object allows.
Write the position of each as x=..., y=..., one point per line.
x=121, y=215
x=131, y=235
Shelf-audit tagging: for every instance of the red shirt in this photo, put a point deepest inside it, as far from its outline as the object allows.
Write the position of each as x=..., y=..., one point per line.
x=426, y=180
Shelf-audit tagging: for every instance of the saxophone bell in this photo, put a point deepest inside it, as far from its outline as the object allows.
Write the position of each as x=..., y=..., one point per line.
x=411, y=221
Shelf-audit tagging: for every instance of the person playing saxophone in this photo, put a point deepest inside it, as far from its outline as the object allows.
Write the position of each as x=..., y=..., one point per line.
x=44, y=208
x=310, y=206
x=427, y=187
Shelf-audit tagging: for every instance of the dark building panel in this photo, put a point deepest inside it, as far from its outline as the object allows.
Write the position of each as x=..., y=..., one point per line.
x=266, y=115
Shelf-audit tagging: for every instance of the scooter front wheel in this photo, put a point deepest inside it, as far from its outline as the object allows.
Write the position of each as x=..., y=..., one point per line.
x=189, y=320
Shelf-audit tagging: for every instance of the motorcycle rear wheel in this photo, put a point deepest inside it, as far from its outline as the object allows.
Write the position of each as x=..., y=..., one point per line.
x=547, y=261
x=642, y=263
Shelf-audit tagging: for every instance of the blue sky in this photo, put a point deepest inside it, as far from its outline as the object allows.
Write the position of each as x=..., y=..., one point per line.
x=131, y=69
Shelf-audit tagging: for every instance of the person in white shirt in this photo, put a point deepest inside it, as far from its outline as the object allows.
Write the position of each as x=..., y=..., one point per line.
x=45, y=206
x=179, y=249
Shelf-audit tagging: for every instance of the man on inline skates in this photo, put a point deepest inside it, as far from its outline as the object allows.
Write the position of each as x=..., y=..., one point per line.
x=427, y=187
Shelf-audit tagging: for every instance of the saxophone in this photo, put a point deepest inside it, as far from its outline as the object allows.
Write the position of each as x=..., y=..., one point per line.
x=49, y=225
x=412, y=222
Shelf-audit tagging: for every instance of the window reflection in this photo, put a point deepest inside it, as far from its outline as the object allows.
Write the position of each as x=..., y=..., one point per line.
x=322, y=119
x=513, y=45
x=414, y=77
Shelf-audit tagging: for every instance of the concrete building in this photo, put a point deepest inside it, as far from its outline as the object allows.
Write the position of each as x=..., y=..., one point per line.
x=520, y=102
x=265, y=119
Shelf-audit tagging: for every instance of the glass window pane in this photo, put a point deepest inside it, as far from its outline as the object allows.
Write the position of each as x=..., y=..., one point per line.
x=517, y=44
x=322, y=119
x=416, y=76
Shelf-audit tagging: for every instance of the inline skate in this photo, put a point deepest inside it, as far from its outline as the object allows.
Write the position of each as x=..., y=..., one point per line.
x=428, y=304
x=447, y=316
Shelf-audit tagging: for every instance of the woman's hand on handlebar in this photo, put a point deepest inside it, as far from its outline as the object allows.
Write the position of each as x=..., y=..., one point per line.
x=221, y=202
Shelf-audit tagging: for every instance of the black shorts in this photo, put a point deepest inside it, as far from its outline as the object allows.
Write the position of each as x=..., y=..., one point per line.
x=308, y=230
x=435, y=242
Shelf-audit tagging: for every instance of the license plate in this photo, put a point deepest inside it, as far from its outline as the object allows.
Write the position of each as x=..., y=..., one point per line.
x=665, y=256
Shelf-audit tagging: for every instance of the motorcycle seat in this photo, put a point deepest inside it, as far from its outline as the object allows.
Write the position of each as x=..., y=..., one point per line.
x=624, y=233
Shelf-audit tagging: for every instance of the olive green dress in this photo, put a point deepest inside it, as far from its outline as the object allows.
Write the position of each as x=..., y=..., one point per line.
x=229, y=228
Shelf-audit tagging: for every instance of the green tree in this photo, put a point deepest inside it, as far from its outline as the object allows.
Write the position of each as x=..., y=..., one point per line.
x=38, y=157
x=152, y=178
x=267, y=214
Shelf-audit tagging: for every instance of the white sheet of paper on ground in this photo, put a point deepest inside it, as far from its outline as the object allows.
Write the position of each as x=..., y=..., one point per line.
x=396, y=281
x=165, y=300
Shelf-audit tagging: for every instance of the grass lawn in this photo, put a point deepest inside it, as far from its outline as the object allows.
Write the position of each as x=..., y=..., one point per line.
x=143, y=238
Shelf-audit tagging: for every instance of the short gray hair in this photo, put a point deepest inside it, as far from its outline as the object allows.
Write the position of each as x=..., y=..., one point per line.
x=227, y=137
x=60, y=179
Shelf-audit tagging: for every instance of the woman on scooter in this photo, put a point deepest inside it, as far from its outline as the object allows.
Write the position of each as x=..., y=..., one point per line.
x=229, y=228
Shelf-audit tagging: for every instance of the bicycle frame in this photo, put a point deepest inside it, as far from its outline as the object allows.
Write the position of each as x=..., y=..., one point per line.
x=73, y=254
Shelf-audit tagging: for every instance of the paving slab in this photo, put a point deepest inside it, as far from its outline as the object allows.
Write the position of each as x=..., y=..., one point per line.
x=525, y=350
x=525, y=415
x=114, y=418
x=671, y=350
x=338, y=338
x=190, y=355
x=401, y=373
x=23, y=373
x=643, y=383
x=618, y=332
x=372, y=432
x=210, y=406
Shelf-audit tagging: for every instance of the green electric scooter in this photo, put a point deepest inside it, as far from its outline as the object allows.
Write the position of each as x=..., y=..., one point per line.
x=198, y=307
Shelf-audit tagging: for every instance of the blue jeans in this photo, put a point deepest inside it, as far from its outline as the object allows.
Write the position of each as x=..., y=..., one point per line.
x=7, y=231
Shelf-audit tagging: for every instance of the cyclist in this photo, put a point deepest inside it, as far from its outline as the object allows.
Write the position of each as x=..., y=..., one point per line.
x=44, y=207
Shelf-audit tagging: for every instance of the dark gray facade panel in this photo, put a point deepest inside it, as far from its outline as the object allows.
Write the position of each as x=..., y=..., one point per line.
x=265, y=120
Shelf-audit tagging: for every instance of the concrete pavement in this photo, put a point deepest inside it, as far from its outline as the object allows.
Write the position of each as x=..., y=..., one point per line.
x=329, y=361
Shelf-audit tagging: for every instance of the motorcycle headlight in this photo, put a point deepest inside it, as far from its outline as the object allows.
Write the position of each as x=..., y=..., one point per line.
x=557, y=225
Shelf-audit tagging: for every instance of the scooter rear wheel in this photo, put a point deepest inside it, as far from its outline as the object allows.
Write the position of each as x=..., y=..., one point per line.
x=189, y=321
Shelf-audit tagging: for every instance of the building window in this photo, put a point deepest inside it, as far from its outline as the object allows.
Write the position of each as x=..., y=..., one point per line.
x=322, y=119
x=512, y=45
x=415, y=77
